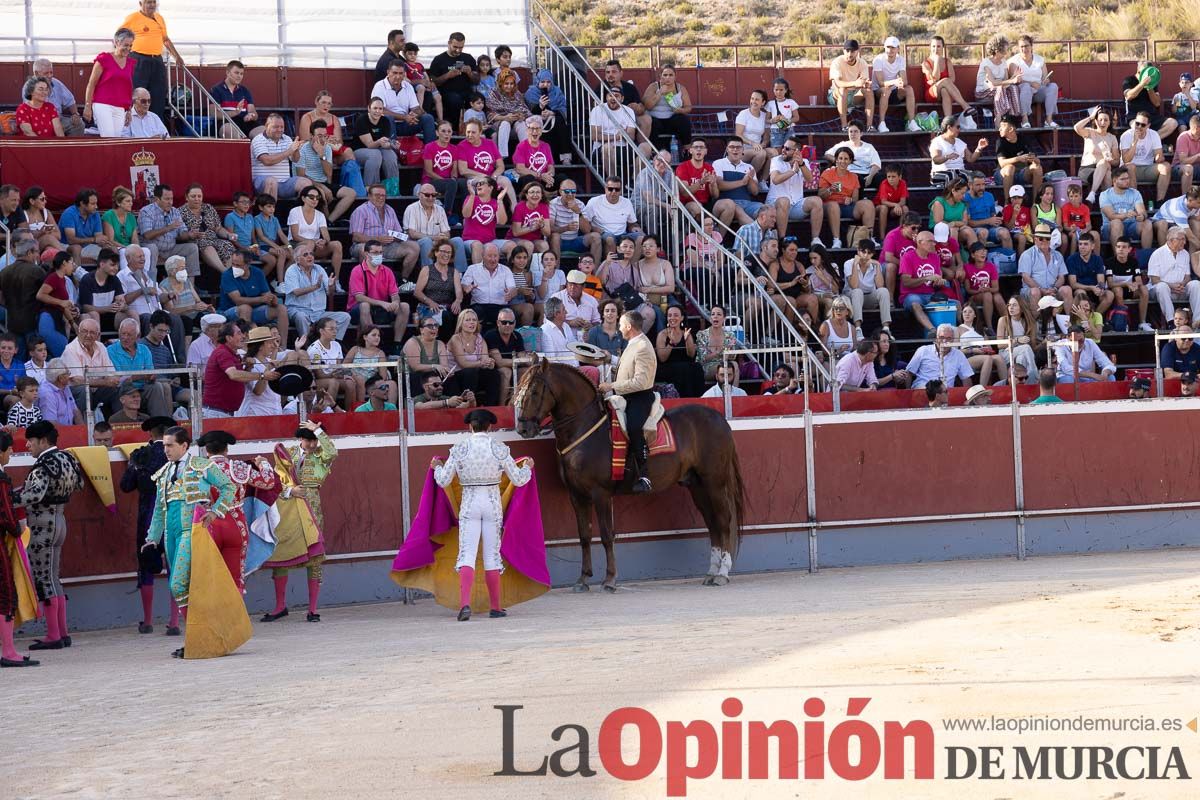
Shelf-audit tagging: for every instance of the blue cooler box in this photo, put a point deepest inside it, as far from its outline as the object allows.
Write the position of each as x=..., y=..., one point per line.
x=945, y=313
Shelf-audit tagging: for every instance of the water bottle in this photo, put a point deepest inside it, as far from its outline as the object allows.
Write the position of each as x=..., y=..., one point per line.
x=674, y=150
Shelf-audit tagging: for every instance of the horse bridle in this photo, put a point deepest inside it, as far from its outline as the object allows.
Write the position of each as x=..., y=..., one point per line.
x=559, y=425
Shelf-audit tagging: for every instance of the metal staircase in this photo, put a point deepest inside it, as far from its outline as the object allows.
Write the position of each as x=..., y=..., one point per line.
x=708, y=269
x=195, y=108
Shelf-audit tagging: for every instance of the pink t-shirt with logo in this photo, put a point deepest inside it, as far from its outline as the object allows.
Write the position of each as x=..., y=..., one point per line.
x=480, y=226
x=482, y=159
x=531, y=217
x=539, y=160
x=946, y=251
x=914, y=265
x=979, y=278
x=897, y=244
x=440, y=158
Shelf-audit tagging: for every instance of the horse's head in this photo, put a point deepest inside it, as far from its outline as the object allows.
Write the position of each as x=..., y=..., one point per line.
x=534, y=398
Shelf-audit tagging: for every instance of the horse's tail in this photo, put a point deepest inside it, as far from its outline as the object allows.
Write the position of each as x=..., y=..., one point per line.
x=738, y=487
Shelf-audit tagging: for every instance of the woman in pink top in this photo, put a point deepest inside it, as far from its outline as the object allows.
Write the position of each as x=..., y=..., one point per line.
x=533, y=160
x=479, y=158
x=481, y=215
x=531, y=221
x=110, y=88
x=441, y=168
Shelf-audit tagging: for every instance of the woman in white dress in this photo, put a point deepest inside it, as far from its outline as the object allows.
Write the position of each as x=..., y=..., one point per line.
x=479, y=462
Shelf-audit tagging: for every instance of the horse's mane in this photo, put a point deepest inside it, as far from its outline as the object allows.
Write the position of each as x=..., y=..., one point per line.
x=544, y=366
x=547, y=370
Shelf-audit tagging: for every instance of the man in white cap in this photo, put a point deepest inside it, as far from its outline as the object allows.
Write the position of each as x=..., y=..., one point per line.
x=582, y=309
x=202, y=346
x=888, y=76
x=1042, y=268
x=946, y=247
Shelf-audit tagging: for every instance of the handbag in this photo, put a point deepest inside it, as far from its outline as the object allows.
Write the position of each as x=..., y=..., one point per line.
x=856, y=234
x=409, y=150
x=630, y=297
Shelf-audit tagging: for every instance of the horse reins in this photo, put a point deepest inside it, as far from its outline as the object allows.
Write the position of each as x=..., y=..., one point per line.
x=558, y=426
x=581, y=439
x=568, y=420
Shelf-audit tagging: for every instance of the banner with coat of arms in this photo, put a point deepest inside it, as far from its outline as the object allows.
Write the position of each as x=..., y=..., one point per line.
x=63, y=167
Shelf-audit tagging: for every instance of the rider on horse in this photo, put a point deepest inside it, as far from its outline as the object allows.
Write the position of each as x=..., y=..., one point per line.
x=634, y=381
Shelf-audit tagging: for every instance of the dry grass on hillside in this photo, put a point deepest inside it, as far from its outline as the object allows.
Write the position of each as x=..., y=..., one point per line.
x=794, y=22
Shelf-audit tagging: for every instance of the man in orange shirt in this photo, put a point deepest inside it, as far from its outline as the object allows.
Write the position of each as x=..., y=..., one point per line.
x=149, y=39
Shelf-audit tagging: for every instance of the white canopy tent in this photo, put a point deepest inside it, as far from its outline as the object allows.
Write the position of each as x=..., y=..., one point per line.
x=299, y=33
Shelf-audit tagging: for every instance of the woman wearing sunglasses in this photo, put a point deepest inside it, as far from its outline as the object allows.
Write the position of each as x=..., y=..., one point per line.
x=307, y=225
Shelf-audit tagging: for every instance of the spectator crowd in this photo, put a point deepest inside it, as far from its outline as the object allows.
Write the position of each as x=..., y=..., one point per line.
x=499, y=255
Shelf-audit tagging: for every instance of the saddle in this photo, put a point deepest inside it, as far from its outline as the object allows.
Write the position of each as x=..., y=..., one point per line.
x=617, y=403
x=658, y=433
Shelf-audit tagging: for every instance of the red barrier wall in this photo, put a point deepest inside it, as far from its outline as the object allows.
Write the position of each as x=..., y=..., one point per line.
x=907, y=463
x=917, y=467
x=1095, y=460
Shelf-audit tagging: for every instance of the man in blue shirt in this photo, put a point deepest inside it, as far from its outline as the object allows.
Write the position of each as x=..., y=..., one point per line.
x=937, y=361
x=1124, y=212
x=1085, y=270
x=240, y=222
x=305, y=289
x=128, y=355
x=161, y=223
x=82, y=229
x=246, y=295
x=236, y=101
x=981, y=211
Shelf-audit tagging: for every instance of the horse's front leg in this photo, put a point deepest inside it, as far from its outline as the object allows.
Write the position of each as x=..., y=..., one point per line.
x=604, y=515
x=583, y=522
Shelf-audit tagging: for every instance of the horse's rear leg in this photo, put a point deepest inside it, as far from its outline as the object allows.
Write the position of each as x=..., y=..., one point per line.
x=583, y=522
x=724, y=528
x=699, y=492
x=604, y=516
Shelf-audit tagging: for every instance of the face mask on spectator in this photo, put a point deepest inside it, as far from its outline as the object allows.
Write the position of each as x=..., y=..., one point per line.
x=238, y=272
x=181, y=276
x=376, y=260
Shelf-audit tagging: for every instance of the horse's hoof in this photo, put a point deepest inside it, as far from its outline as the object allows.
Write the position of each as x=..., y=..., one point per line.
x=611, y=588
x=708, y=581
x=719, y=580
x=581, y=587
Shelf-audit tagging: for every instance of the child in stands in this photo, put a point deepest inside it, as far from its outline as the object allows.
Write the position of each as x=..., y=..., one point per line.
x=1076, y=218
x=1184, y=103
x=892, y=198
x=1018, y=219
x=475, y=111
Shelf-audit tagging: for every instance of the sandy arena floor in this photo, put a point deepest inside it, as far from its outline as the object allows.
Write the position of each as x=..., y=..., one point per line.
x=395, y=701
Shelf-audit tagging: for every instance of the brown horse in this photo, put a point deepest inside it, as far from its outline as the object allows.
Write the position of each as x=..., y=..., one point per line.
x=705, y=461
